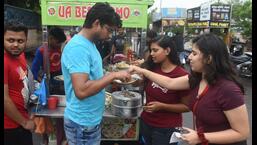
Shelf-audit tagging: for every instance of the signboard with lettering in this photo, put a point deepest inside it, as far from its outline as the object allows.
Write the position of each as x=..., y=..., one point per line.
x=205, y=12
x=74, y=13
x=140, y=2
x=193, y=14
x=196, y=14
x=190, y=15
x=201, y=24
x=176, y=13
x=219, y=24
x=173, y=22
x=220, y=13
x=212, y=16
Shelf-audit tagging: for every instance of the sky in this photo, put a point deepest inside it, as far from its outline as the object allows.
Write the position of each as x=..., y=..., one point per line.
x=177, y=3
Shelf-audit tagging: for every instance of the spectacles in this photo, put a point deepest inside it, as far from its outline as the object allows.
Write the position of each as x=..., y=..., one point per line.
x=108, y=28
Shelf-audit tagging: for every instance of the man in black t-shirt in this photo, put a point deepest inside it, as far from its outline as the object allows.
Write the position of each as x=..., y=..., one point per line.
x=118, y=46
x=104, y=48
x=179, y=41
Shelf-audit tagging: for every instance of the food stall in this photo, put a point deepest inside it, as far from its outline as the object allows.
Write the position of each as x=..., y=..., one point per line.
x=117, y=124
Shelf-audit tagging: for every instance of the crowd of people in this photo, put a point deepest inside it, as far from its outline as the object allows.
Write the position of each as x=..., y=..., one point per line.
x=211, y=90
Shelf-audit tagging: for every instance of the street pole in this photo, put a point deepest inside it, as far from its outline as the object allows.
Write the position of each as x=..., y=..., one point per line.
x=231, y=5
x=161, y=16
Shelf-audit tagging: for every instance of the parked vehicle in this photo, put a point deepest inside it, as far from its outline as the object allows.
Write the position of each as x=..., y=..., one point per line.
x=243, y=64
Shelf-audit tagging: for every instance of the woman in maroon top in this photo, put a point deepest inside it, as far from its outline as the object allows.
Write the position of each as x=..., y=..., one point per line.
x=217, y=99
x=163, y=108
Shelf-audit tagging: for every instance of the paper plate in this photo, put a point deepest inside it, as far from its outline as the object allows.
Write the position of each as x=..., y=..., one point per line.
x=59, y=78
x=125, y=83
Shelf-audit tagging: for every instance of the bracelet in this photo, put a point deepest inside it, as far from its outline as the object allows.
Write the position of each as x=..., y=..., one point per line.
x=202, y=138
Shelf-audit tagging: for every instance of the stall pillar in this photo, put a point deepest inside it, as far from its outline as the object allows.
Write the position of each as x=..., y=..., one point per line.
x=46, y=57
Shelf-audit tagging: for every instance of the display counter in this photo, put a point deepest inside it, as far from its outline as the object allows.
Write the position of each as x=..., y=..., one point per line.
x=113, y=127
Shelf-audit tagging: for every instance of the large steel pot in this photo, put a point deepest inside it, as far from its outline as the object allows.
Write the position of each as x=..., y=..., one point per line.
x=126, y=104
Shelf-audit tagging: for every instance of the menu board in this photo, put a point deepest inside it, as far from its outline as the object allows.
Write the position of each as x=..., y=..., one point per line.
x=193, y=14
x=196, y=14
x=205, y=12
x=190, y=15
x=220, y=13
x=213, y=16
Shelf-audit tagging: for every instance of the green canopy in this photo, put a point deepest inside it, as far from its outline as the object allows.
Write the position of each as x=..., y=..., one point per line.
x=72, y=12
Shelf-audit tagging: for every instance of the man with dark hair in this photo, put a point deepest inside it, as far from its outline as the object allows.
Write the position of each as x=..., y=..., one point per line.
x=118, y=46
x=17, y=123
x=84, y=81
x=179, y=41
x=56, y=37
x=149, y=36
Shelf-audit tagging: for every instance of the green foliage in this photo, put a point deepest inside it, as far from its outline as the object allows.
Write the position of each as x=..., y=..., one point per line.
x=150, y=17
x=33, y=5
x=242, y=15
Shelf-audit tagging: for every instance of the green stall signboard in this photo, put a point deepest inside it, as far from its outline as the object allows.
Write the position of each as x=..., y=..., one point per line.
x=73, y=13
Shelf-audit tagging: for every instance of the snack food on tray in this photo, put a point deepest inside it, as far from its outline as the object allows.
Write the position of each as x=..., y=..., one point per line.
x=59, y=78
x=117, y=128
x=108, y=99
x=126, y=82
x=122, y=65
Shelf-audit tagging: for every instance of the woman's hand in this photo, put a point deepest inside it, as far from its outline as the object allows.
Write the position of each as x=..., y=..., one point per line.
x=122, y=75
x=135, y=69
x=153, y=106
x=191, y=137
x=137, y=62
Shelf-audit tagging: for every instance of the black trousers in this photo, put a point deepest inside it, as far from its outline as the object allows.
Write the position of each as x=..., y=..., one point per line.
x=17, y=136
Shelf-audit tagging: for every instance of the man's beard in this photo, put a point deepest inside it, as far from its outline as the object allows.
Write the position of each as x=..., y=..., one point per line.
x=13, y=54
x=96, y=38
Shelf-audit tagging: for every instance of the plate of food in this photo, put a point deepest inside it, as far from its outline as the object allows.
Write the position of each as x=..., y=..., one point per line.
x=133, y=79
x=122, y=65
x=125, y=82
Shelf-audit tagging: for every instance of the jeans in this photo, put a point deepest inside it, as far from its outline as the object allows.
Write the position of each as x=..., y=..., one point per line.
x=154, y=135
x=82, y=135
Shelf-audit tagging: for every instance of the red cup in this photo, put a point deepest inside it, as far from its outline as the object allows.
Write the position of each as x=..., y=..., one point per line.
x=52, y=103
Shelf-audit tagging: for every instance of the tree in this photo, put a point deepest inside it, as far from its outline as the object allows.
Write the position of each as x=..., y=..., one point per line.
x=33, y=5
x=242, y=15
x=150, y=17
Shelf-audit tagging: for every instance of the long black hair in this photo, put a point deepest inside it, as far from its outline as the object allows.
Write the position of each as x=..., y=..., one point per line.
x=165, y=42
x=104, y=13
x=220, y=65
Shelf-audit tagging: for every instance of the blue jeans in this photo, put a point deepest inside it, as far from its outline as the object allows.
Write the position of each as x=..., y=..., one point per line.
x=154, y=135
x=81, y=135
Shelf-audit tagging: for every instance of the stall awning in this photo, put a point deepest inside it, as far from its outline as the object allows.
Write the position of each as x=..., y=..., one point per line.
x=72, y=13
